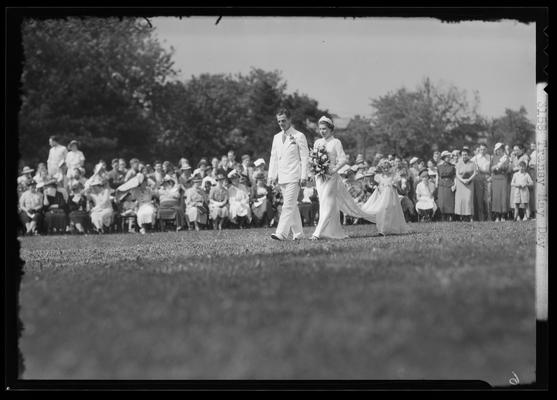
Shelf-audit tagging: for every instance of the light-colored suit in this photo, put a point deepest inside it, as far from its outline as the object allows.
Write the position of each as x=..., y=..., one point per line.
x=289, y=164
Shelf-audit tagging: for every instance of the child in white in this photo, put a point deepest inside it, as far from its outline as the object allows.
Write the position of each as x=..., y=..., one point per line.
x=521, y=195
x=425, y=204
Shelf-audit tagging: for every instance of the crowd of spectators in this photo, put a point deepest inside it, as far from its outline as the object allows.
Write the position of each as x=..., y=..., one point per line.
x=467, y=184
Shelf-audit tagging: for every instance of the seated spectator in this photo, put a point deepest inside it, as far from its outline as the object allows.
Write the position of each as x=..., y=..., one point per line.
x=41, y=175
x=218, y=203
x=101, y=212
x=238, y=195
x=55, y=217
x=77, y=207
x=403, y=186
x=127, y=209
x=196, y=203
x=308, y=203
x=134, y=169
x=425, y=205
x=24, y=180
x=259, y=167
x=30, y=208
x=170, y=206
x=261, y=207
x=146, y=211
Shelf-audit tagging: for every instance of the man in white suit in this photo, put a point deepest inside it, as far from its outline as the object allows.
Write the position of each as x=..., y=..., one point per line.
x=288, y=167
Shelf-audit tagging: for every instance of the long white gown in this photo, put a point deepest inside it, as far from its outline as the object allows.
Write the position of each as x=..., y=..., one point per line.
x=380, y=208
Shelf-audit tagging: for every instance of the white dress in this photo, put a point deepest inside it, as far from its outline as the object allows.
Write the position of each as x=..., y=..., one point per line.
x=334, y=197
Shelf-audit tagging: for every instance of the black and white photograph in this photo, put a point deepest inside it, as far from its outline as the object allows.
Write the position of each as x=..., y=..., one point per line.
x=277, y=198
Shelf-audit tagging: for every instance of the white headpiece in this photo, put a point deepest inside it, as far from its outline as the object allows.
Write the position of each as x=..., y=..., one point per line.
x=327, y=120
x=259, y=162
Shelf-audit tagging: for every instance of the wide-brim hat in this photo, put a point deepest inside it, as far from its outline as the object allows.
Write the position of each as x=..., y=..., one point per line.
x=50, y=182
x=498, y=146
x=73, y=142
x=233, y=174
x=185, y=166
x=445, y=153
x=27, y=170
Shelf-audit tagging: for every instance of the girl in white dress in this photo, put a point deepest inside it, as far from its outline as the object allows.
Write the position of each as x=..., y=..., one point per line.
x=334, y=197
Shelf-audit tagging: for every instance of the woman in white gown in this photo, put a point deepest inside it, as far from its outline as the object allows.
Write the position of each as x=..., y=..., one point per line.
x=334, y=197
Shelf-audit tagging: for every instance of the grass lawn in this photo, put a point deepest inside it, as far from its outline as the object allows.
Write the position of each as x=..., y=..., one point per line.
x=448, y=301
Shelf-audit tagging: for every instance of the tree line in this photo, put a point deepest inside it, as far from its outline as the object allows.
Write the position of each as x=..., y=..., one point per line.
x=111, y=85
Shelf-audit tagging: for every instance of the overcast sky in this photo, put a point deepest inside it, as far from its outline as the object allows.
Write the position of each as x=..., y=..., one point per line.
x=343, y=63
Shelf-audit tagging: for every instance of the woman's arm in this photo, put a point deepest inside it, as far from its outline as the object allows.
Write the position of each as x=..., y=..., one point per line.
x=341, y=156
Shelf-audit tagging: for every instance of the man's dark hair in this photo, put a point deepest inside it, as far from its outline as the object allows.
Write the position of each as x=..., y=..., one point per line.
x=285, y=112
x=55, y=138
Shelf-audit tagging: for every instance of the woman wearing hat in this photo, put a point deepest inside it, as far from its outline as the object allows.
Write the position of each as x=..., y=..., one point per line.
x=238, y=197
x=55, y=217
x=24, y=180
x=77, y=207
x=261, y=207
x=196, y=203
x=74, y=158
x=464, y=193
x=101, y=211
x=170, y=199
x=146, y=211
x=500, y=168
x=30, y=208
x=445, y=191
x=218, y=202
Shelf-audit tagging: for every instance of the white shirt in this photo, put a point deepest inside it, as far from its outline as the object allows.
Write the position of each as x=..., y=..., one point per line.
x=74, y=159
x=55, y=155
x=483, y=163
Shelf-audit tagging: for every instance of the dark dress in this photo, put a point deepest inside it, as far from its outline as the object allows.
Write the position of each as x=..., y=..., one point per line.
x=78, y=211
x=445, y=196
x=56, y=218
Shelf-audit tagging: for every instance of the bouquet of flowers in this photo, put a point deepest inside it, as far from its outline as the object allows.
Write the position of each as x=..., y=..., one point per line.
x=320, y=163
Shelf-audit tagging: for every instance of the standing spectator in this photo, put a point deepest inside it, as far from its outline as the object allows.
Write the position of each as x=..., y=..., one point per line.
x=30, y=208
x=521, y=182
x=402, y=186
x=231, y=159
x=432, y=171
x=517, y=156
x=196, y=203
x=56, y=154
x=158, y=174
x=55, y=216
x=436, y=157
x=533, y=171
x=223, y=166
x=464, y=195
x=117, y=174
x=499, y=188
x=134, y=169
x=214, y=168
x=482, y=184
x=455, y=157
x=122, y=166
x=74, y=158
x=446, y=188
x=378, y=157
x=77, y=207
x=259, y=167
x=247, y=170
x=185, y=179
x=413, y=177
x=218, y=203
x=101, y=212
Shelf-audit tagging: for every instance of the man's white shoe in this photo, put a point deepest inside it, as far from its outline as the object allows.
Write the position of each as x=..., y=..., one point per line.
x=276, y=237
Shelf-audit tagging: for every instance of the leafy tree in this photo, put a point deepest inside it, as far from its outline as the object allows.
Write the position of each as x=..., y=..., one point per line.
x=90, y=79
x=430, y=116
x=512, y=128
